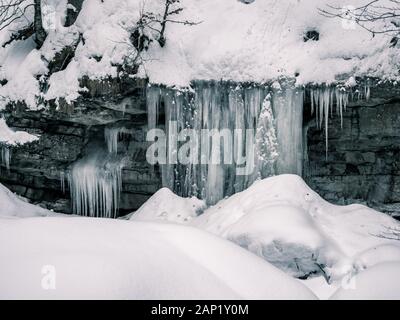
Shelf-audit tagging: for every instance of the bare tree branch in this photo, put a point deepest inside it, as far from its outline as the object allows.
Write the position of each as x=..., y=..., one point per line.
x=368, y=16
x=12, y=10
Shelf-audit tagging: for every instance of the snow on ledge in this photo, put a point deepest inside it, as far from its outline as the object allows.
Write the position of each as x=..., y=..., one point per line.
x=10, y=137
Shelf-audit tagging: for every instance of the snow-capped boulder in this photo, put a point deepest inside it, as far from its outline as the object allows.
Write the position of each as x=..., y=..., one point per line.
x=282, y=220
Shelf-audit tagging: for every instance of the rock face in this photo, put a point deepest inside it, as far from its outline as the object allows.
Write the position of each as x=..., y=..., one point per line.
x=66, y=135
x=363, y=162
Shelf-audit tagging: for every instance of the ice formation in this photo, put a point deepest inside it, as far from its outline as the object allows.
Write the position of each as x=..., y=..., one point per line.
x=6, y=156
x=113, y=135
x=95, y=185
x=62, y=180
x=288, y=108
x=242, y=115
x=10, y=138
x=325, y=100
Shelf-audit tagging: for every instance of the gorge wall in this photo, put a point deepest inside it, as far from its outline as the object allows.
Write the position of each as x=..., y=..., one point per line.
x=362, y=164
x=69, y=134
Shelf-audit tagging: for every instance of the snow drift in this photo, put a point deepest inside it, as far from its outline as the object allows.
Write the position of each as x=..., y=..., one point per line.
x=114, y=259
x=283, y=221
x=280, y=219
x=164, y=205
x=14, y=206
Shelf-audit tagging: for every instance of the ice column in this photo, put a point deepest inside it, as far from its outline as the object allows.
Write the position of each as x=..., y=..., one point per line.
x=288, y=109
x=6, y=156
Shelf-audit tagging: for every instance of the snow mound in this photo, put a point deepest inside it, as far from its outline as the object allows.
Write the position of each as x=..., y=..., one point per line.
x=12, y=138
x=379, y=254
x=380, y=282
x=114, y=259
x=164, y=205
x=12, y=206
x=282, y=220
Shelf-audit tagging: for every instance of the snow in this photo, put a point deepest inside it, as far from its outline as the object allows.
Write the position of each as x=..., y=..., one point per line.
x=286, y=223
x=10, y=137
x=380, y=282
x=257, y=42
x=164, y=251
x=263, y=41
x=115, y=259
x=13, y=206
x=164, y=205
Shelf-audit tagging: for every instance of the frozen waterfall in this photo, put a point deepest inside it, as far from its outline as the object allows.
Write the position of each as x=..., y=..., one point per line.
x=259, y=134
x=288, y=109
x=213, y=140
x=5, y=156
x=95, y=185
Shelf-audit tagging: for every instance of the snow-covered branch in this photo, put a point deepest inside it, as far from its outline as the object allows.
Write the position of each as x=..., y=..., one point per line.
x=376, y=16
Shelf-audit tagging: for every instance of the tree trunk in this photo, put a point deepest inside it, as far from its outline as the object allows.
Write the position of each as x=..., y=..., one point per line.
x=39, y=30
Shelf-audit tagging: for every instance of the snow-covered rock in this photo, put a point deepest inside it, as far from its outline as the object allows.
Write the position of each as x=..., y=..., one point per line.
x=282, y=220
x=164, y=205
x=115, y=259
x=13, y=206
x=10, y=137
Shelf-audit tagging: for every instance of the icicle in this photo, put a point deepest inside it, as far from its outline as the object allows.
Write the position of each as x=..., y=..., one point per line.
x=323, y=100
x=62, y=181
x=6, y=156
x=288, y=110
x=213, y=106
x=95, y=184
x=266, y=141
x=113, y=135
x=153, y=105
x=367, y=92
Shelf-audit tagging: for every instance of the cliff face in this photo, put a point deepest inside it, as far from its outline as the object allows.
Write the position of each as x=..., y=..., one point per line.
x=66, y=135
x=362, y=165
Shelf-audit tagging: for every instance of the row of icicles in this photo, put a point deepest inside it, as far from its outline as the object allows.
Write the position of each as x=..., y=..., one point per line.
x=325, y=101
x=95, y=183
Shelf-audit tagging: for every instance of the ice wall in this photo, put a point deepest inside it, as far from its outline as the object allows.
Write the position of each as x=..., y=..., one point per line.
x=262, y=129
